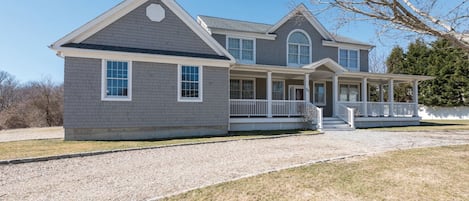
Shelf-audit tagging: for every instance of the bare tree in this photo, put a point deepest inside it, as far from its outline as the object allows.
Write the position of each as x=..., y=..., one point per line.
x=47, y=98
x=429, y=17
x=8, y=87
x=377, y=62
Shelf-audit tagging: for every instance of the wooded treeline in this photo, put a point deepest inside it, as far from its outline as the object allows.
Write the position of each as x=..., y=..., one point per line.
x=440, y=59
x=32, y=104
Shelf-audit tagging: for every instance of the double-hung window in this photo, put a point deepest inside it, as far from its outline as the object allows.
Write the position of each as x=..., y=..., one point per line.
x=278, y=90
x=349, y=59
x=190, y=83
x=348, y=93
x=299, y=49
x=243, y=50
x=116, y=81
x=319, y=93
x=242, y=89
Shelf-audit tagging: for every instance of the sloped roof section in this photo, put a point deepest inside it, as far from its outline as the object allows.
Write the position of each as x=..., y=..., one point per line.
x=343, y=39
x=234, y=25
x=112, y=15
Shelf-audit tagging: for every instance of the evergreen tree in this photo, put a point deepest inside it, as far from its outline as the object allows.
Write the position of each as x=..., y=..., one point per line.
x=449, y=66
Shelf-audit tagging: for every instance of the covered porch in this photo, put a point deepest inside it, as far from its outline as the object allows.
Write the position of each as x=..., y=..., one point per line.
x=263, y=97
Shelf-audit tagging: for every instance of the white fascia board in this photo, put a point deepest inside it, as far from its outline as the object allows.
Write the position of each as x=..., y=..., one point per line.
x=204, y=25
x=396, y=77
x=98, y=23
x=346, y=45
x=275, y=69
x=309, y=16
x=196, y=28
x=101, y=54
x=329, y=63
x=243, y=34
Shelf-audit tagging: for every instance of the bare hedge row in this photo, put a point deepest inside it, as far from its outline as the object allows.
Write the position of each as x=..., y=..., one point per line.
x=33, y=104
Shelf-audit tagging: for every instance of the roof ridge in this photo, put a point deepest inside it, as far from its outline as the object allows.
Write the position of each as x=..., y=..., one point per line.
x=236, y=20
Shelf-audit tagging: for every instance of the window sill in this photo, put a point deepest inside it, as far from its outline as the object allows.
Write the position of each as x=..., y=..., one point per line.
x=117, y=99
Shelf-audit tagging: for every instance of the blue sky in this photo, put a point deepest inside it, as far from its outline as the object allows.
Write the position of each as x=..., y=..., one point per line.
x=29, y=26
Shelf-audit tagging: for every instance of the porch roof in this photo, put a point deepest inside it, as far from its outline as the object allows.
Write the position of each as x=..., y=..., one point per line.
x=385, y=77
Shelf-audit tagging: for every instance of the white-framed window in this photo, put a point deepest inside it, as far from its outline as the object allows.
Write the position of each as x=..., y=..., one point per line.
x=242, y=49
x=349, y=59
x=116, y=81
x=242, y=89
x=278, y=90
x=190, y=83
x=298, y=48
x=319, y=93
x=349, y=93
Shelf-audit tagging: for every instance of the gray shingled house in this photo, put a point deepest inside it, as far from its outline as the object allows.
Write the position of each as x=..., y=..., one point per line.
x=146, y=69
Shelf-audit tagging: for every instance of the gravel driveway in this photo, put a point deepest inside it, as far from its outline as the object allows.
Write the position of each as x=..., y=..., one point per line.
x=141, y=175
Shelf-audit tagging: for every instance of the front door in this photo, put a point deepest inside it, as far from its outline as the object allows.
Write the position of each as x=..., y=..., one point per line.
x=296, y=92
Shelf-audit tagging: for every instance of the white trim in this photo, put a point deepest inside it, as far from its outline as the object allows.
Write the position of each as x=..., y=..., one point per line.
x=98, y=54
x=240, y=38
x=243, y=34
x=348, y=92
x=189, y=21
x=104, y=96
x=98, y=23
x=266, y=120
x=327, y=43
x=241, y=86
x=314, y=93
x=294, y=87
x=284, y=86
x=328, y=62
x=309, y=16
x=126, y=7
x=201, y=87
x=299, y=49
x=348, y=59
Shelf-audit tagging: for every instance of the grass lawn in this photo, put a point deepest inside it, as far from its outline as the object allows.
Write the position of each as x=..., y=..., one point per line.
x=432, y=125
x=420, y=174
x=39, y=148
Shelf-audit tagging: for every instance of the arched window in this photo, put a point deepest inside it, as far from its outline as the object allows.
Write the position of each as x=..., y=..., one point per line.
x=299, y=48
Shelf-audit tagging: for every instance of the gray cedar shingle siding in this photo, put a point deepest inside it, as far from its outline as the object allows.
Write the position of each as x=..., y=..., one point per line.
x=273, y=52
x=135, y=30
x=154, y=100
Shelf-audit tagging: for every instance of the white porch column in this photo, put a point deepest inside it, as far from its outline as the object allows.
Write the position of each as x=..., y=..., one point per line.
x=391, y=97
x=306, y=91
x=416, y=98
x=335, y=93
x=381, y=100
x=381, y=93
x=365, y=96
x=269, y=94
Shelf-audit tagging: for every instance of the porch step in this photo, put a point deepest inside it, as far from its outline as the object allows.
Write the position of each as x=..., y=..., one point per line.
x=335, y=124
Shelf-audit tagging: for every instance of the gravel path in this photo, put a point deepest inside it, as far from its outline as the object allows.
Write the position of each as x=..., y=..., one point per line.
x=31, y=134
x=141, y=175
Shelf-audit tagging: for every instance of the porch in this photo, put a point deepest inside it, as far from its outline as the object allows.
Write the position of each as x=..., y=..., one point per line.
x=264, y=97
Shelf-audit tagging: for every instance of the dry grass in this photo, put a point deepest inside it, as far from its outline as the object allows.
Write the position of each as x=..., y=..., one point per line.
x=51, y=147
x=420, y=174
x=432, y=125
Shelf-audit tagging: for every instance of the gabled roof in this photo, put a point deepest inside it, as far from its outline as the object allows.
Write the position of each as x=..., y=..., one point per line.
x=329, y=63
x=301, y=9
x=217, y=24
x=115, y=13
x=234, y=25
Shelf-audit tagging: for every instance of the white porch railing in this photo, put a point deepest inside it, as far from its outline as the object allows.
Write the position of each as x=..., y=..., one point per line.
x=347, y=114
x=280, y=108
x=248, y=108
x=381, y=109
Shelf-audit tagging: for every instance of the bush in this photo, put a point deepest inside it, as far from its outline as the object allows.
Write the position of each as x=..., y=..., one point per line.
x=16, y=121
